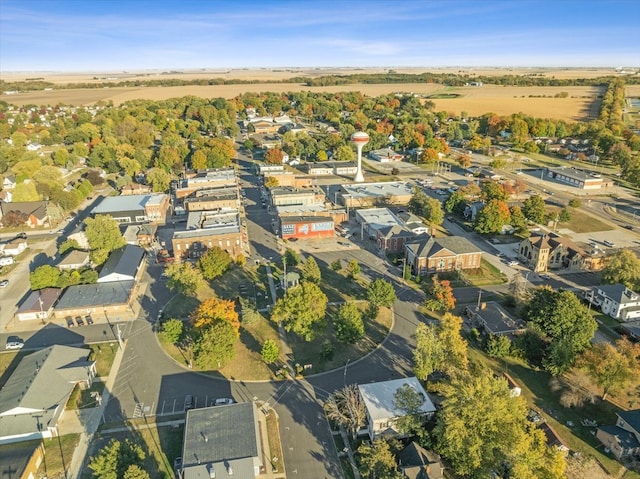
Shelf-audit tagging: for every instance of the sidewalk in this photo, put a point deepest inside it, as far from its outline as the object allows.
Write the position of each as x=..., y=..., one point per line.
x=284, y=346
x=352, y=461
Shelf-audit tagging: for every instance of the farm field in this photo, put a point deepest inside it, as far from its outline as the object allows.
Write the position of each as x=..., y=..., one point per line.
x=581, y=104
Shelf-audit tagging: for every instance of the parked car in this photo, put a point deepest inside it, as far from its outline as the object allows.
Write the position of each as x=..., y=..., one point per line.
x=223, y=401
x=14, y=342
x=70, y=322
x=188, y=402
x=609, y=244
x=545, y=276
x=88, y=319
x=4, y=283
x=513, y=263
x=79, y=321
x=629, y=227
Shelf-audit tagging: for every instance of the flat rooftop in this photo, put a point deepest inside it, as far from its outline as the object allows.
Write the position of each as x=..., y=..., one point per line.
x=113, y=204
x=378, y=217
x=211, y=219
x=366, y=190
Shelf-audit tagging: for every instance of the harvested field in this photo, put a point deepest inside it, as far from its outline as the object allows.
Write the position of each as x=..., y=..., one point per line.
x=581, y=103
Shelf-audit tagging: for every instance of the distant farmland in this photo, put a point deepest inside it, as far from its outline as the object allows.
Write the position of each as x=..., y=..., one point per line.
x=581, y=104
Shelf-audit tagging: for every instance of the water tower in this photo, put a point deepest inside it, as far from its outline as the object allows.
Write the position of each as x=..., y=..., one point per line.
x=359, y=138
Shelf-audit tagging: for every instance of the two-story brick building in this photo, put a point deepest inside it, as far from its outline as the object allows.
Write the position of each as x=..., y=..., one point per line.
x=435, y=255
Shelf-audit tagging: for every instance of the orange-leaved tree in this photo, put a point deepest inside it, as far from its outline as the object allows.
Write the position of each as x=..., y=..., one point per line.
x=215, y=309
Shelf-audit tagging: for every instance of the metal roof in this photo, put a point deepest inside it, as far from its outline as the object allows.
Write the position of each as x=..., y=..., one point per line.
x=123, y=261
x=95, y=295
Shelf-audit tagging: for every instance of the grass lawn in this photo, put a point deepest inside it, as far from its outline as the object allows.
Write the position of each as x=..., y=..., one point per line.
x=487, y=274
x=160, y=444
x=275, y=445
x=103, y=354
x=538, y=394
x=309, y=352
x=582, y=222
x=339, y=287
x=180, y=306
x=82, y=399
x=58, y=453
x=229, y=285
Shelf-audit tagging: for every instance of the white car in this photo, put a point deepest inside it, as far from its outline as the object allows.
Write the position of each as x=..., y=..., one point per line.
x=13, y=342
x=513, y=263
x=223, y=401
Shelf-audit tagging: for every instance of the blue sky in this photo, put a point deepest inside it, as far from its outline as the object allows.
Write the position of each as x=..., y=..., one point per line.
x=114, y=35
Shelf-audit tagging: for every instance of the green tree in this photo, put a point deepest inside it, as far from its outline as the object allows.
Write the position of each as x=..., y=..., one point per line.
x=534, y=209
x=68, y=245
x=428, y=355
x=348, y=324
x=103, y=235
x=480, y=426
x=214, y=262
x=271, y=182
x=344, y=153
x=381, y=293
x=45, y=276
x=346, y=408
x=493, y=191
x=353, y=268
x=410, y=402
x=113, y=460
x=199, y=160
x=518, y=219
x=498, y=346
x=493, y=217
x=173, y=330
x=575, y=203
x=564, y=322
x=456, y=202
x=564, y=216
x=136, y=472
x=24, y=192
x=612, y=367
x=301, y=310
x=623, y=267
x=184, y=278
x=270, y=351
x=60, y=157
x=158, y=179
x=336, y=265
x=214, y=345
x=311, y=271
x=377, y=461
x=291, y=257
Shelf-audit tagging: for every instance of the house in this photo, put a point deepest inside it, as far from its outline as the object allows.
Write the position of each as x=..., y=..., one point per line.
x=6, y=196
x=623, y=438
x=380, y=407
x=471, y=210
x=123, y=264
x=134, y=208
x=21, y=460
x=385, y=155
x=392, y=239
x=33, y=213
x=416, y=462
x=34, y=396
x=413, y=223
x=38, y=305
x=494, y=319
x=616, y=300
x=9, y=182
x=544, y=251
x=74, y=259
x=13, y=247
x=223, y=442
x=449, y=253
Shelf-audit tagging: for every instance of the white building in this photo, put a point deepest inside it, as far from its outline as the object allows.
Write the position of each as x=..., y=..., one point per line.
x=616, y=300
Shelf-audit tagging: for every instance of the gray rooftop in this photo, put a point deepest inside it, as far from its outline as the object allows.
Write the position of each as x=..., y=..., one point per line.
x=366, y=190
x=212, y=219
x=632, y=418
x=619, y=293
x=575, y=174
x=430, y=246
x=123, y=261
x=95, y=295
x=40, y=300
x=73, y=258
x=498, y=321
x=38, y=389
x=378, y=217
x=217, y=434
x=115, y=204
x=379, y=398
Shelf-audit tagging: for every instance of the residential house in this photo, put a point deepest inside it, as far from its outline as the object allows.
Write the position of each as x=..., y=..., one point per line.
x=623, y=438
x=33, y=212
x=34, y=396
x=38, y=305
x=616, y=300
x=393, y=239
x=471, y=210
x=448, y=253
x=413, y=223
x=545, y=251
x=13, y=247
x=223, y=442
x=380, y=405
x=123, y=264
x=416, y=462
x=494, y=319
x=9, y=182
x=74, y=259
x=134, y=208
